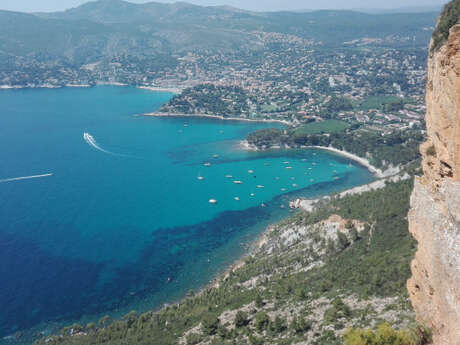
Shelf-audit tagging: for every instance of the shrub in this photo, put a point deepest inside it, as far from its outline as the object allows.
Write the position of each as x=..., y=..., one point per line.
x=431, y=151
x=193, y=339
x=385, y=335
x=241, y=319
x=261, y=321
x=449, y=17
x=210, y=324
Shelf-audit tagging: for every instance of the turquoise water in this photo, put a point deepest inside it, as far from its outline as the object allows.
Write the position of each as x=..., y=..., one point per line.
x=120, y=218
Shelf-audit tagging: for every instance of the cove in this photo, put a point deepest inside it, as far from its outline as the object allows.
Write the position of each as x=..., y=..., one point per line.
x=103, y=210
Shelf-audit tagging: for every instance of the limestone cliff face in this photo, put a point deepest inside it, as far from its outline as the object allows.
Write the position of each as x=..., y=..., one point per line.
x=434, y=218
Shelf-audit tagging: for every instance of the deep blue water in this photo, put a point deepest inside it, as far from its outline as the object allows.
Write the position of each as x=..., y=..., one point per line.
x=124, y=209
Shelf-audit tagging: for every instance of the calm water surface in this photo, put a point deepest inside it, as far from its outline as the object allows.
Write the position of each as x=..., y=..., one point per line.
x=125, y=206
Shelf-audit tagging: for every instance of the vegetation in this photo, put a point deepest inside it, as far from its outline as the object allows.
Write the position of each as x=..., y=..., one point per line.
x=328, y=126
x=450, y=16
x=210, y=99
x=431, y=151
x=383, y=103
x=395, y=148
x=387, y=335
x=283, y=308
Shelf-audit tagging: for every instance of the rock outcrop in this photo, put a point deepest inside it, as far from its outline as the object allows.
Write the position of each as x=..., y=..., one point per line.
x=434, y=218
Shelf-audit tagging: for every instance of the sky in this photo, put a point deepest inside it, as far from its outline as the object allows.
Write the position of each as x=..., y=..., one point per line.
x=254, y=5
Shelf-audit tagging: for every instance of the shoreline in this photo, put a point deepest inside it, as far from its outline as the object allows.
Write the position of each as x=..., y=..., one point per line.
x=50, y=86
x=217, y=117
x=175, y=90
x=362, y=161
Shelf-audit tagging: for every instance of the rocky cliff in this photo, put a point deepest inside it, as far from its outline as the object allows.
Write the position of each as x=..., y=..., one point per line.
x=434, y=218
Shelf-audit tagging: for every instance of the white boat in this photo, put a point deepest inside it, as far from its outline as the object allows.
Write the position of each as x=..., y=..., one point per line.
x=215, y=156
x=200, y=178
x=237, y=182
x=285, y=162
x=294, y=185
x=283, y=189
x=251, y=171
x=228, y=176
x=288, y=167
x=260, y=186
x=212, y=201
x=312, y=180
x=207, y=164
x=236, y=198
x=252, y=194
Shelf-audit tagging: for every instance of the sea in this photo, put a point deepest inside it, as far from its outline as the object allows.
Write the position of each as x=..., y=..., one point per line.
x=104, y=210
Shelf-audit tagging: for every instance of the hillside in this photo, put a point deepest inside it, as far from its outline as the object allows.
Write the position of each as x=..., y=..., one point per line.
x=106, y=29
x=308, y=279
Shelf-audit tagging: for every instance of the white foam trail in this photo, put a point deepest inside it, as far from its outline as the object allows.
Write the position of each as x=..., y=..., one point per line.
x=24, y=178
x=92, y=142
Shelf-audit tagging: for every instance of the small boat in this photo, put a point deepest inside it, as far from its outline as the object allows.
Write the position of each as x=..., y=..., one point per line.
x=262, y=205
x=277, y=178
x=228, y=176
x=252, y=194
x=266, y=164
x=313, y=163
x=288, y=167
x=304, y=159
x=283, y=189
x=200, y=178
x=294, y=185
x=215, y=156
x=251, y=171
x=207, y=164
x=292, y=178
x=312, y=180
x=212, y=201
x=285, y=162
x=335, y=171
x=282, y=206
x=185, y=125
x=336, y=177
x=236, y=198
x=314, y=154
x=310, y=168
x=238, y=182
x=260, y=186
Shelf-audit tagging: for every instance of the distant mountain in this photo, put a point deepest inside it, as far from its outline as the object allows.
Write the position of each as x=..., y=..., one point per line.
x=105, y=29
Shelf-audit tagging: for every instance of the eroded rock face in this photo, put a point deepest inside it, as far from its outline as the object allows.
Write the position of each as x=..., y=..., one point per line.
x=434, y=218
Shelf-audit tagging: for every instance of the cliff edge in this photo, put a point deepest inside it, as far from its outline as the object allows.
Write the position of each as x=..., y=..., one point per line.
x=434, y=218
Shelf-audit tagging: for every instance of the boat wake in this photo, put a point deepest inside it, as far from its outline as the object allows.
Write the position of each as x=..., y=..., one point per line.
x=92, y=142
x=24, y=178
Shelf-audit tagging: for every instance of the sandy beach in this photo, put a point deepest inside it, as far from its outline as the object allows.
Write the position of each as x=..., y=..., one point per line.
x=362, y=161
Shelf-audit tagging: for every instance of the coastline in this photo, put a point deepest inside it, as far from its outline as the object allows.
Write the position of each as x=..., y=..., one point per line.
x=362, y=161
x=218, y=117
x=175, y=90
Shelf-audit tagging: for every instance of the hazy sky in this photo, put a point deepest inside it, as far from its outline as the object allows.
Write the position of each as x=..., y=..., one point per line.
x=258, y=5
